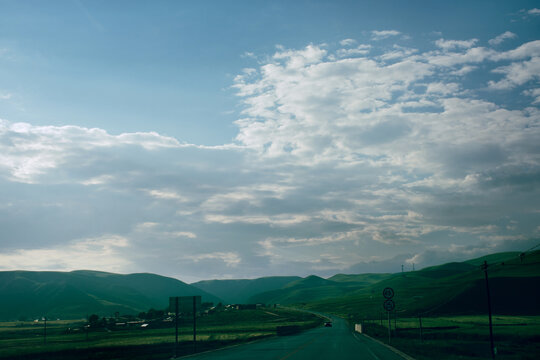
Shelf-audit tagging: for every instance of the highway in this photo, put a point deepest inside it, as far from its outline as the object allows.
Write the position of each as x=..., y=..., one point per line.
x=336, y=343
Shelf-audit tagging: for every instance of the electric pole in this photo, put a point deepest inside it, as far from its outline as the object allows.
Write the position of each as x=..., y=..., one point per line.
x=176, y=327
x=485, y=267
x=44, y=330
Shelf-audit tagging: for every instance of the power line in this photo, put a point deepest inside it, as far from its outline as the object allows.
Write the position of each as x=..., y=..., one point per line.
x=534, y=247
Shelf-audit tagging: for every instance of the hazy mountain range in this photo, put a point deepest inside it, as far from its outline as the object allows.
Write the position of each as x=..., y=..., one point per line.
x=457, y=287
x=31, y=294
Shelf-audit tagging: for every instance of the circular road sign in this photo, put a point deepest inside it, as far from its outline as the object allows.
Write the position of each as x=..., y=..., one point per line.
x=389, y=305
x=388, y=293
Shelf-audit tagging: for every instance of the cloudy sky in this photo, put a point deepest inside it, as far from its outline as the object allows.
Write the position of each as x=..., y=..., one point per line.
x=213, y=139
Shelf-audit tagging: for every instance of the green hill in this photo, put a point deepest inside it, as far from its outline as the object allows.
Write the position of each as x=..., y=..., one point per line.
x=240, y=291
x=359, y=279
x=453, y=288
x=79, y=293
x=309, y=289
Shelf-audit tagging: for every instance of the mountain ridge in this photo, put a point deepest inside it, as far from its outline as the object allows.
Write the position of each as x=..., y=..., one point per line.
x=78, y=293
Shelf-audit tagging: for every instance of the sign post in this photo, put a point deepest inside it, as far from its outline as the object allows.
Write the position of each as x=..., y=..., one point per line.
x=492, y=347
x=194, y=323
x=185, y=305
x=176, y=326
x=44, y=330
x=389, y=305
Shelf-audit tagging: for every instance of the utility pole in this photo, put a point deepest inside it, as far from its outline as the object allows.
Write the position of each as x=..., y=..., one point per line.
x=176, y=327
x=492, y=348
x=421, y=331
x=45, y=330
x=389, y=327
x=194, y=325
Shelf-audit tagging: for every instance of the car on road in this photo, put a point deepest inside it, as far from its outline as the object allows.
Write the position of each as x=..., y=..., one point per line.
x=328, y=324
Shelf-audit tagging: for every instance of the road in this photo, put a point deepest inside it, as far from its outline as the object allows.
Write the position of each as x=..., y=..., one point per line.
x=336, y=343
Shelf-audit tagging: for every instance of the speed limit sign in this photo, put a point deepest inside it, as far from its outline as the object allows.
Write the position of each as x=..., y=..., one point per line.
x=388, y=293
x=389, y=305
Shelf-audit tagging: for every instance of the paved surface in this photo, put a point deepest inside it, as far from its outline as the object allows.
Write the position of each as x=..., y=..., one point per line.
x=336, y=343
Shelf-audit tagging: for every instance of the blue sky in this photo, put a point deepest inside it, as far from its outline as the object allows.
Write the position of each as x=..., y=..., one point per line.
x=214, y=139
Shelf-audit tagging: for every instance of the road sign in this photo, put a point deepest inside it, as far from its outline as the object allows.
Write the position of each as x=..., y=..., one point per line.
x=388, y=293
x=389, y=305
x=185, y=303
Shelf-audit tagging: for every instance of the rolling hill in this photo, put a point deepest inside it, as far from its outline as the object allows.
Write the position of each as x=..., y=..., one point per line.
x=240, y=291
x=77, y=294
x=453, y=288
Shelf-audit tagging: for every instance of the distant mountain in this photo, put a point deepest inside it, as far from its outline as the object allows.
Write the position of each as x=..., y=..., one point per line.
x=241, y=291
x=309, y=289
x=79, y=293
x=452, y=288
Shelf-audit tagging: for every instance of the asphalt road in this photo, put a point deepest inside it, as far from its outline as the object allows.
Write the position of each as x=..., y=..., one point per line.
x=336, y=343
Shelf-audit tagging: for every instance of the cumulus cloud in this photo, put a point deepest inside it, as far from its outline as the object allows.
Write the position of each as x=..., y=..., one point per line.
x=535, y=93
x=517, y=73
x=499, y=39
x=383, y=34
x=28, y=150
x=348, y=150
x=455, y=44
x=229, y=258
x=165, y=194
x=347, y=42
x=103, y=253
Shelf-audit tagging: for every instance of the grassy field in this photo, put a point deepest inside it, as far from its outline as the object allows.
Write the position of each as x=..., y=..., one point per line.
x=25, y=340
x=462, y=337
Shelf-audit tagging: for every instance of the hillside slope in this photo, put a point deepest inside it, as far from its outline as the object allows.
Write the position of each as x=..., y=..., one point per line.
x=240, y=291
x=453, y=288
x=309, y=289
x=76, y=294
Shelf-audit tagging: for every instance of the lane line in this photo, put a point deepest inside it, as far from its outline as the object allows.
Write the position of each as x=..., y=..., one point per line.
x=299, y=348
x=400, y=353
x=367, y=348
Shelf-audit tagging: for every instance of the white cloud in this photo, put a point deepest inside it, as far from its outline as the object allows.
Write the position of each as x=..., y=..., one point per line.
x=104, y=253
x=27, y=151
x=464, y=70
x=347, y=42
x=297, y=59
x=517, y=73
x=471, y=55
x=359, y=50
x=98, y=180
x=5, y=96
x=349, y=152
x=443, y=88
x=535, y=93
x=455, y=44
x=383, y=34
x=534, y=11
x=165, y=194
x=278, y=220
x=499, y=39
x=230, y=259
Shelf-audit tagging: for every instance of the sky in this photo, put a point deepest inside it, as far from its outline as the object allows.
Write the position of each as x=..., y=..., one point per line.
x=240, y=139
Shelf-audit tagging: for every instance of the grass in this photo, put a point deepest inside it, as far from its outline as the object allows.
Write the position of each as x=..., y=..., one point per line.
x=25, y=340
x=462, y=337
